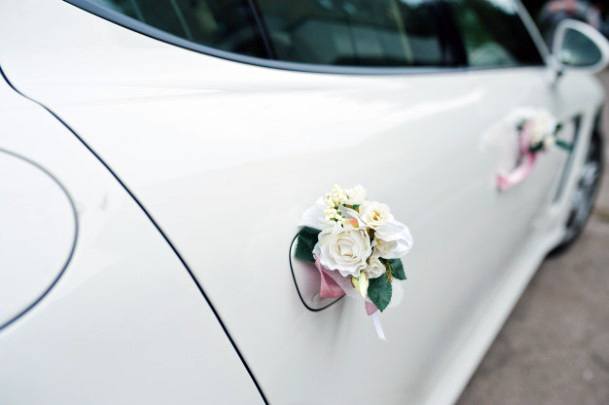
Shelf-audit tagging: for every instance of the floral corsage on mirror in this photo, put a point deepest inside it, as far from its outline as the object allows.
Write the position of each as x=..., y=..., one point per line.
x=537, y=132
x=357, y=246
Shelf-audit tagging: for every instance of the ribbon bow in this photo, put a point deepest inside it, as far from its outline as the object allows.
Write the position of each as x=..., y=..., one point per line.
x=335, y=286
x=526, y=164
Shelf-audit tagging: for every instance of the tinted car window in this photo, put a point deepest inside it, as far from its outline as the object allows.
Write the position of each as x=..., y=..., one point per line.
x=327, y=32
x=229, y=25
x=494, y=34
x=384, y=33
x=357, y=32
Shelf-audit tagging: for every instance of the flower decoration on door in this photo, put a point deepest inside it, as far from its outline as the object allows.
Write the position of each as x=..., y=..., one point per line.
x=537, y=133
x=357, y=246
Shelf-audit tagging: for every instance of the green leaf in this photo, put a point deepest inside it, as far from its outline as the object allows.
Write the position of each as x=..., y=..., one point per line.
x=537, y=147
x=379, y=292
x=564, y=145
x=305, y=242
x=397, y=268
x=558, y=128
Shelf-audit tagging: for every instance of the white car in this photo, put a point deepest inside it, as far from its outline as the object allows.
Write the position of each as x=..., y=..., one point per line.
x=156, y=158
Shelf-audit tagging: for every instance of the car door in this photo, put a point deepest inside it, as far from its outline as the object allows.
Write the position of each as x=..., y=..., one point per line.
x=226, y=151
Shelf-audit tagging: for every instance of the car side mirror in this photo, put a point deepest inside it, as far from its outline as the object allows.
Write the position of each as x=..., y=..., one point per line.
x=579, y=46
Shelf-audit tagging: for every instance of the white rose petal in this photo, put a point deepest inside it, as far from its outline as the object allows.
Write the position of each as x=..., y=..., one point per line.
x=351, y=218
x=375, y=214
x=314, y=216
x=344, y=250
x=393, y=230
x=375, y=268
x=395, y=249
x=393, y=240
x=540, y=126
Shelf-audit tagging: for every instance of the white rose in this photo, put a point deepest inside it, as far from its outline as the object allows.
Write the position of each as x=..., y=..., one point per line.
x=375, y=268
x=375, y=214
x=393, y=240
x=351, y=218
x=395, y=249
x=540, y=126
x=344, y=250
x=549, y=142
x=355, y=195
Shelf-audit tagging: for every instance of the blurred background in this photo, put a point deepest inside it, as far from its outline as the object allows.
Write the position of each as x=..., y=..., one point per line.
x=548, y=13
x=554, y=348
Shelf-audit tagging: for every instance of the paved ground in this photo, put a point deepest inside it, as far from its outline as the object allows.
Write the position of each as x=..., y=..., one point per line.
x=554, y=349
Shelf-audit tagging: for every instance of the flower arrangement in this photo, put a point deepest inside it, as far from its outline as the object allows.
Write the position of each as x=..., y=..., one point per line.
x=357, y=246
x=540, y=130
x=537, y=132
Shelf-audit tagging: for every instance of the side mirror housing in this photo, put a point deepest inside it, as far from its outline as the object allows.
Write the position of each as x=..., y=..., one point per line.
x=579, y=46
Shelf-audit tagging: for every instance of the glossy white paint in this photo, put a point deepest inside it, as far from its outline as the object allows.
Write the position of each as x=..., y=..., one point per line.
x=226, y=157
x=125, y=324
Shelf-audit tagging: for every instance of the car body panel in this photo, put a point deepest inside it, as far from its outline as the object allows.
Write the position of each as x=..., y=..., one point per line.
x=125, y=323
x=39, y=233
x=226, y=156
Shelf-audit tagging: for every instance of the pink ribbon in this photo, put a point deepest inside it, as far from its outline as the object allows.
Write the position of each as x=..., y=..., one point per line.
x=329, y=288
x=333, y=285
x=524, y=169
x=370, y=308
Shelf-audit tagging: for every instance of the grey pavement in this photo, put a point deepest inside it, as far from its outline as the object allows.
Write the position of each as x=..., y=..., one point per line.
x=554, y=348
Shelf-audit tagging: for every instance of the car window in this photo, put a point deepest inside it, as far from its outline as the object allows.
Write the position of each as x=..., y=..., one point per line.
x=357, y=32
x=366, y=33
x=494, y=35
x=326, y=32
x=229, y=25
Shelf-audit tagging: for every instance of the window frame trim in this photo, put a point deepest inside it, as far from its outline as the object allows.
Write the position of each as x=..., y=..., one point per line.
x=152, y=32
x=534, y=32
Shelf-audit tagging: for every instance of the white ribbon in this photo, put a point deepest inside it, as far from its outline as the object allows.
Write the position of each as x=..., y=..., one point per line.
x=376, y=321
x=347, y=287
